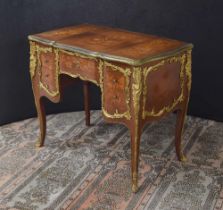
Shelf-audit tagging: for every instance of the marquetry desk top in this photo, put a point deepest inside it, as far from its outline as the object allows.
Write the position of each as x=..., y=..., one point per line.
x=142, y=77
x=111, y=43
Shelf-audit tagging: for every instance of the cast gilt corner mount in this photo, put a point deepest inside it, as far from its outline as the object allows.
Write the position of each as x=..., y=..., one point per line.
x=142, y=77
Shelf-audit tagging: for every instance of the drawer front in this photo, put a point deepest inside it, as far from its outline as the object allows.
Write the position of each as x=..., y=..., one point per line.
x=77, y=65
x=163, y=86
x=48, y=70
x=115, y=91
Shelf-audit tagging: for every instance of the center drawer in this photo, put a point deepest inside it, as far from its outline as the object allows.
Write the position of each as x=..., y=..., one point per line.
x=77, y=65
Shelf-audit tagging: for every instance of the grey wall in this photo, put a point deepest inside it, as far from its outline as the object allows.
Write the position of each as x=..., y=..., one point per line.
x=196, y=21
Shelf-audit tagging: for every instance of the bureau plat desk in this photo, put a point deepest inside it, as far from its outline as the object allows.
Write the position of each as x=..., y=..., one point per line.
x=142, y=77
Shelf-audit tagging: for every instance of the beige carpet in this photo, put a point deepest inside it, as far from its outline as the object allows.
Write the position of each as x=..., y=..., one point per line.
x=88, y=168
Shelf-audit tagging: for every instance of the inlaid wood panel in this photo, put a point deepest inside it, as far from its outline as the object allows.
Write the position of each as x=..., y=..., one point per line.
x=164, y=83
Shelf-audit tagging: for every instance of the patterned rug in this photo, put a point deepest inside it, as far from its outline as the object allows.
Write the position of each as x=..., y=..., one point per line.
x=88, y=168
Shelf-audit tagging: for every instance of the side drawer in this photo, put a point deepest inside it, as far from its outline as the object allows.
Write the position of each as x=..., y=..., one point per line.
x=115, y=91
x=47, y=69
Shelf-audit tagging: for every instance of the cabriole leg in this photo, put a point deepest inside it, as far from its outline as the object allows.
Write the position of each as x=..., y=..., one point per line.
x=181, y=115
x=136, y=125
x=86, y=102
x=135, y=143
x=42, y=121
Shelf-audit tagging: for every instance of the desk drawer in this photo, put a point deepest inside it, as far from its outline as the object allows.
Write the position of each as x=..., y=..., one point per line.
x=47, y=69
x=116, y=95
x=77, y=65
